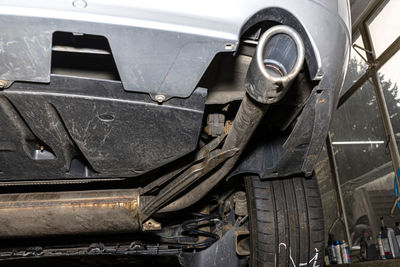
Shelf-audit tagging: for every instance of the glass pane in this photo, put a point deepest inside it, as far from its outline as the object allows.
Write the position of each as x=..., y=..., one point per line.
x=358, y=136
x=390, y=81
x=356, y=67
x=384, y=25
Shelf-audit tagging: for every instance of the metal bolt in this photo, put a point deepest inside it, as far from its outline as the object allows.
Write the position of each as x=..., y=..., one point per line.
x=3, y=83
x=160, y=98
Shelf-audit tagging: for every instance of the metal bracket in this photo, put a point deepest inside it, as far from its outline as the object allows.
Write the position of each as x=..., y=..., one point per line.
x=151, y=225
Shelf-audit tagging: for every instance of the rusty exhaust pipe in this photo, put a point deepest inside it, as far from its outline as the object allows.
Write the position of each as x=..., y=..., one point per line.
x=75, y=212
x=278, y=59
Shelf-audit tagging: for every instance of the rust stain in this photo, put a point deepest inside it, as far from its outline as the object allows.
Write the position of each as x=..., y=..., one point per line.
x=131, y=205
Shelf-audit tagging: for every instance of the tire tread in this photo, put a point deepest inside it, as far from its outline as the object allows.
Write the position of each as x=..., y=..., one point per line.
x=285, y=211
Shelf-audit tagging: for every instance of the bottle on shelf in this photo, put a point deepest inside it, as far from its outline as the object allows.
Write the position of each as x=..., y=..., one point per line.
x=380, y=247
x=394, y=246
x=345, y=252
x=338, y=253
x=327, y=261
x=331, y=250
x=386, y=241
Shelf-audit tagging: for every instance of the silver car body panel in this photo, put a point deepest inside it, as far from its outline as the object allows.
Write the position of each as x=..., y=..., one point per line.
x=161, y=47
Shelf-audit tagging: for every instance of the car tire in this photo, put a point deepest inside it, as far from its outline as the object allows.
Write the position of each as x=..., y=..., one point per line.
x=286, y=222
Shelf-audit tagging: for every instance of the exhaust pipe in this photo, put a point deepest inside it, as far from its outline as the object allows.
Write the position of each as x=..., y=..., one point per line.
x=277, y=61
x=76, y=212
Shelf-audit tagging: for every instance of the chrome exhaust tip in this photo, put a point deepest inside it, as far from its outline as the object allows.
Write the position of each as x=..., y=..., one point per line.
x=277, y=61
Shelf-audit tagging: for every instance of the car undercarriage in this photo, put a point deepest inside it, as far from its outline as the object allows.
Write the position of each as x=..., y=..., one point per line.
x=173, y=145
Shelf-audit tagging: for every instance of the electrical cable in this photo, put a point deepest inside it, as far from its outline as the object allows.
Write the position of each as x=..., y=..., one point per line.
x=191, y=228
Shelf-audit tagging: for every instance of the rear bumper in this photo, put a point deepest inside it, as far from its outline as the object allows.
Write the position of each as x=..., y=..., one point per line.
x=298, y=152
